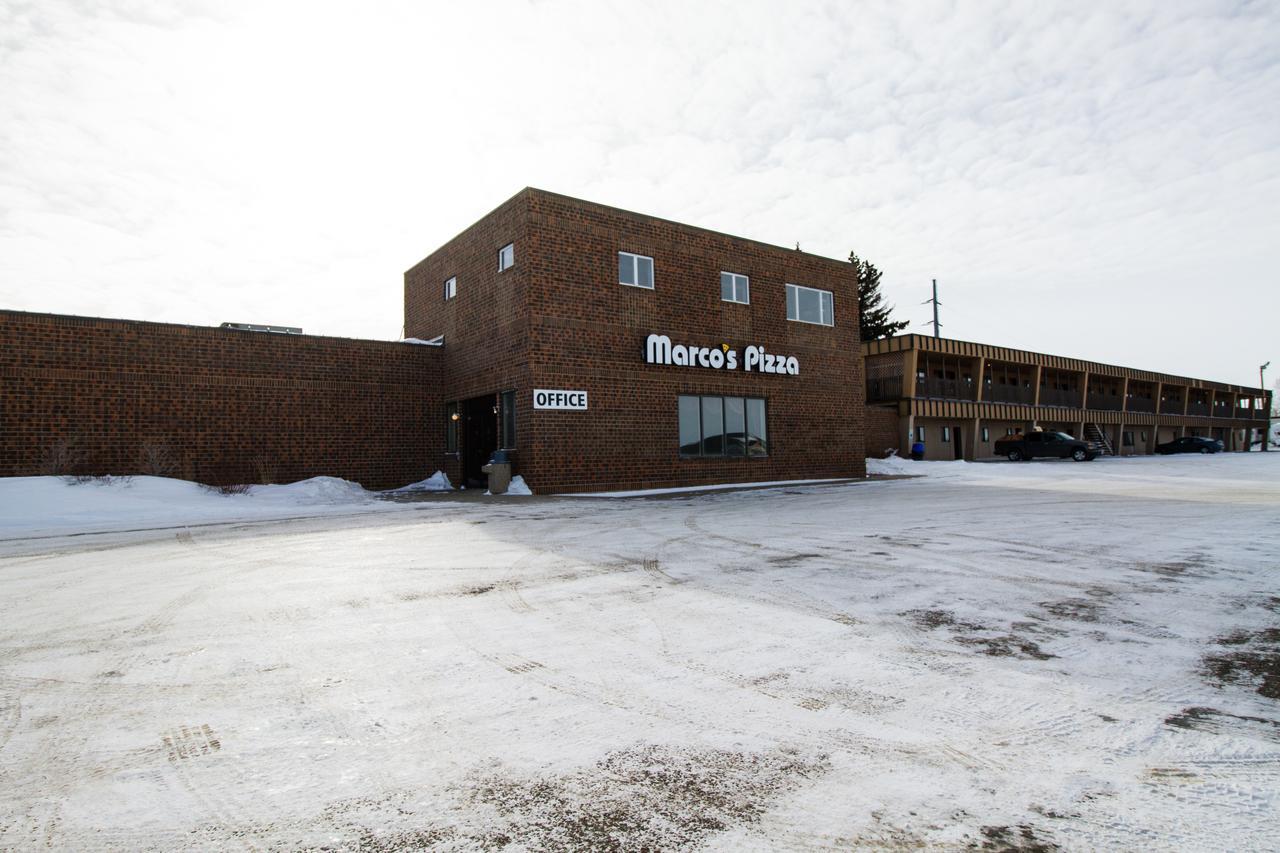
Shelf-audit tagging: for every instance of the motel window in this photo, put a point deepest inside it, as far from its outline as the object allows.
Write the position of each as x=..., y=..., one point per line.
x=735, y=288
x=986, y=435
x=1144, y=436
x=919, y=433
x=507, y=257
x=508, y=409
x=809, y=305
x=722, y=426
x=1127, y=438
x=635, y=270
x=946, y=433
x=451, y=288
x=1008, y=431
x=451, y=427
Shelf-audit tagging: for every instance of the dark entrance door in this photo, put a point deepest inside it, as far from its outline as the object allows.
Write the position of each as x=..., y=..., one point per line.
x=959, y=443
x=479, y=438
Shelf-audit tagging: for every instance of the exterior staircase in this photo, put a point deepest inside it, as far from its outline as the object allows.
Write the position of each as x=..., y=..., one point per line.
x=1097, y=439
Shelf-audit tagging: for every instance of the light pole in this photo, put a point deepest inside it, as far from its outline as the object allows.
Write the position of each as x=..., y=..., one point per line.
x=1262, y=382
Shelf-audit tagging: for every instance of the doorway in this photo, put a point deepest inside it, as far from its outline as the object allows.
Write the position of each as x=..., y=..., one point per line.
x=479, y=438
x=958, y=444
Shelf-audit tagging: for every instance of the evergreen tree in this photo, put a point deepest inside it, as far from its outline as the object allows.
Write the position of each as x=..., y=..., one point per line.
x=873, y=317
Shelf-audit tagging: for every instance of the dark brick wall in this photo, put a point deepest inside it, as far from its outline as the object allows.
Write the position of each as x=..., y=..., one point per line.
x=886, y=431
x=486, y=326
x=227, y=403
x=563, y=321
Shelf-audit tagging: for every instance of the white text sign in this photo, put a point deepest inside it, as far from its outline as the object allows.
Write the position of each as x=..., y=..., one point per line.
x=575, y=401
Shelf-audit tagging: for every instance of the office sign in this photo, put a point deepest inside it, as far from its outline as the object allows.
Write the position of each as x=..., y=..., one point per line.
x=573, y=401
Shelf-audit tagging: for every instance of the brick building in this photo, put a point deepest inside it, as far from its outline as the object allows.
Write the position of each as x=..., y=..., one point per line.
x=674, y=356
x=959, y=398
x=686, y=356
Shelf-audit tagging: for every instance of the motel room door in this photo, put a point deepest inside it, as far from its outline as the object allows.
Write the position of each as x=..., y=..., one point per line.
x=479, y=437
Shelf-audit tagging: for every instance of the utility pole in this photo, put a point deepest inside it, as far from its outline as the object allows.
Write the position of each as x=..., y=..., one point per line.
x=937, y=327
x=1262, y=385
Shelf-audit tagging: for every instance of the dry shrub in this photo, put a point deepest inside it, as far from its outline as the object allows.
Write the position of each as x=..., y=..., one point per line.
x=65, y=457
x=157, y=458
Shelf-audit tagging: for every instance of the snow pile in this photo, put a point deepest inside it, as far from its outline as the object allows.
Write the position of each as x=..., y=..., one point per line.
x=312, y=492
x=896, y=465
x=437, y=482
x=45, y=506
x=519, y=486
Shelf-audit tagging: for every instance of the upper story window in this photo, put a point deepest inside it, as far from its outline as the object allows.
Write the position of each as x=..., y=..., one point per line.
x=451, y=288
x=735, y=288
x=507, y=257
x=635, y=270
x=809, y=305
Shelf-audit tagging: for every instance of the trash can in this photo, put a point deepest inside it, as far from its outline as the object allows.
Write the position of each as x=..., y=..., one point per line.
x=499, y=471
x=917, y=451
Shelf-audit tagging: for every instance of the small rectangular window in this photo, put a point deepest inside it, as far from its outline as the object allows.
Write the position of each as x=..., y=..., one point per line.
x=1127, y=438
x=735, y=288
x=508, y=408
x=946, y=433
x=986, y=435
x=451, y=427
x=507, y=257
x=919, y=433
x=451, y=288
x=635, y=270
x=690, y=413
x=810, y=305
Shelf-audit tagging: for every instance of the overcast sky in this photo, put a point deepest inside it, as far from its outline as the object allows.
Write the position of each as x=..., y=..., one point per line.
x=1099, y=180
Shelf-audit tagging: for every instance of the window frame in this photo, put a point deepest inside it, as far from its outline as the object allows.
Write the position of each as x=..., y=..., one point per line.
x=946, y=435
x=829, y=322
x=920, y=434
x=723, y=408
x=986, y=435
x=509, y=249
x=507, y=419
x=635, y=270
x=450, y=288
x=734, y=278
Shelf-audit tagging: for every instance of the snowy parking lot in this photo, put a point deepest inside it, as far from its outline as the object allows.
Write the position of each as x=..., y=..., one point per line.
x=995, y=656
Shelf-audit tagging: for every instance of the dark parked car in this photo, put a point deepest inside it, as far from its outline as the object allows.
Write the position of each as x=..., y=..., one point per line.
x=1058, y=445
x=1190, y=444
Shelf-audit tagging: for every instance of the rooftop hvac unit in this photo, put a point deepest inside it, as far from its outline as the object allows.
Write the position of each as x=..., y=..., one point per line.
x=254, y=327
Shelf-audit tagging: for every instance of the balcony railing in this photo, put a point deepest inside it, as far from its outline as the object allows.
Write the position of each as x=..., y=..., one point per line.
x=1170, y=407
x=1105, y=402
x=1201, y=409
x=946, y=389
x=1069, y=398
x=884, y=388
x=1008, y=394
x=1250, y=414
x=1141, y=404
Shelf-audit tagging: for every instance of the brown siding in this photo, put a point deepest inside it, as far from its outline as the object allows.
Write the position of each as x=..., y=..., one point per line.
x=226, y=402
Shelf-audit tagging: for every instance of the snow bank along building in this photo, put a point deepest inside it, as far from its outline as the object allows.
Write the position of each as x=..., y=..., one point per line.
x=600, y=349
x=959, y=398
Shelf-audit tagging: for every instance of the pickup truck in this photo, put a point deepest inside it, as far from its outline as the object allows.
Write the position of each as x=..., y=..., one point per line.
x=1058, y=445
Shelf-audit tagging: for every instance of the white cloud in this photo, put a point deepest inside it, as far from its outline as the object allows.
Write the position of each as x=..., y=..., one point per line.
x=1091, y=179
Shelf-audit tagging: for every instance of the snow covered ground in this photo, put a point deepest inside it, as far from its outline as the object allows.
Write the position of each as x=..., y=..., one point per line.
x=1049, y=653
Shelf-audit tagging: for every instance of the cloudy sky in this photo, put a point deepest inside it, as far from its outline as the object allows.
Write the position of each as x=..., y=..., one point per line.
x=1094, y=179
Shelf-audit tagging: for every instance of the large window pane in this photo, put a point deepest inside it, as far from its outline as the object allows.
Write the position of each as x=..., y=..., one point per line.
x=757, y=437
x=735, y=426
x=726, y=287
x=712, y=426
x=810, y=306
x=828, y=314
x=690, y=427
x=793, y=312
x=626, y=268
x=644, y=272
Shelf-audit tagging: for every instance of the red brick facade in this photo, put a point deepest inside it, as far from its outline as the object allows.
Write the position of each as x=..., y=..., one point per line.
x=560, y=320
x=228, y=406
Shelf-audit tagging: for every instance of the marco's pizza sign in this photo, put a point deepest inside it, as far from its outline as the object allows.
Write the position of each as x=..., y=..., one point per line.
x=658, y=349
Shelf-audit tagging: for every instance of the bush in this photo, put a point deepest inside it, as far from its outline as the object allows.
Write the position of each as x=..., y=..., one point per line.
x=157, y=458
x=65, y=457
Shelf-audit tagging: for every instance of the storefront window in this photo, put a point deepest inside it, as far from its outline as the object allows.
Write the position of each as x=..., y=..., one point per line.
x=722, y=426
